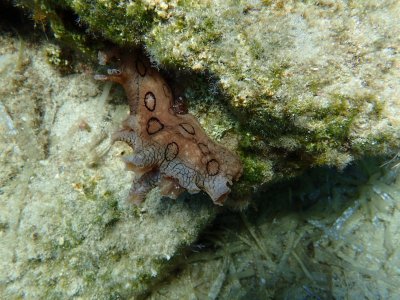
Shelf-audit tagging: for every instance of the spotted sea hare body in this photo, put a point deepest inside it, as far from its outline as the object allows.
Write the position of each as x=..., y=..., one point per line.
x=170, y=148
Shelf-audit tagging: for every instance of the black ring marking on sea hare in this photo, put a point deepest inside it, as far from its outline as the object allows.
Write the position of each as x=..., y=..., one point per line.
x=166, y=90
x=150, y=101
x=188, y=128
x=171, y=151
x=212, y=167
x=203, y=148
x=154, y=126
x=140, y=68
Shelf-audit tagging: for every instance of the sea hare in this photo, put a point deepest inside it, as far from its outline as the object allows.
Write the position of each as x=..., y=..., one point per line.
x=170, y=149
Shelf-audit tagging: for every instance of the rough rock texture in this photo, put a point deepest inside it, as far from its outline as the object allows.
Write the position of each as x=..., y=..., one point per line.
x=326, y=235
x=65, y=228
x=309, y=82
x=304, y=83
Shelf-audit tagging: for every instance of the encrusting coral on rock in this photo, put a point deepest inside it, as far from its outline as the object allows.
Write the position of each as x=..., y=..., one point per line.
x=170, y=147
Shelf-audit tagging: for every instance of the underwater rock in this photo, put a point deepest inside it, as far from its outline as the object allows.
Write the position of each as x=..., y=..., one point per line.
x=314, y=236
x=308, y=83
x=65, y=229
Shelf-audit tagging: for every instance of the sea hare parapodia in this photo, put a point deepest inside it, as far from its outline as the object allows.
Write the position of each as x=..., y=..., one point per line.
x=170, y=148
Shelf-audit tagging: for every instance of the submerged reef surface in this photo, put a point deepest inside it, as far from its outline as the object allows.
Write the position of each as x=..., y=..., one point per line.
x=66, y=232
x=324, y=235
x=304, y=83
x=65, y=229
x=289, y=84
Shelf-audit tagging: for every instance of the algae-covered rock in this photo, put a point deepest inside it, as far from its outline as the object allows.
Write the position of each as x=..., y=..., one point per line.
x=288, y=84
x=308, y=83
x=325, y=235
x=65, y=228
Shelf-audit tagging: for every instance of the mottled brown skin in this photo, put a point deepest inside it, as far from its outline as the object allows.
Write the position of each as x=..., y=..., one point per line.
x=170, y=148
